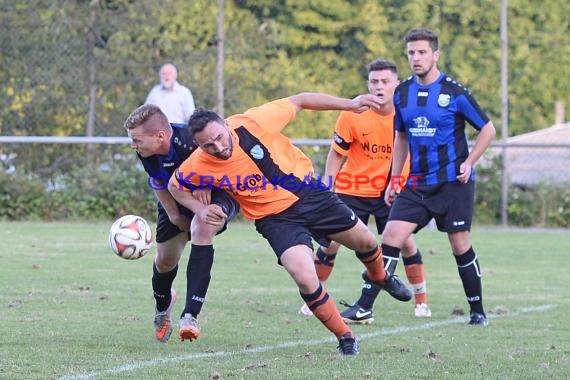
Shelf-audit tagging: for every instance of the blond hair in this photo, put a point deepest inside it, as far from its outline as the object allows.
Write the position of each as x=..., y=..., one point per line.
x=144, y=113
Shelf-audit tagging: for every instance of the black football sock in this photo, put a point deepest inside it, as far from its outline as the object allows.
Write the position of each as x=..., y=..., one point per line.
x=470, y=274
x=198, y=277
x=391, y=257
x=368, y=295
x=161, y=285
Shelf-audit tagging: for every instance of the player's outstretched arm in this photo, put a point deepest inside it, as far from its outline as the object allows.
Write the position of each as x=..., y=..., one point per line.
x=322, y=102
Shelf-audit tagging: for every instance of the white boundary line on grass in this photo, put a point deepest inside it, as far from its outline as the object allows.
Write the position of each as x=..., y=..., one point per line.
x=403, y=329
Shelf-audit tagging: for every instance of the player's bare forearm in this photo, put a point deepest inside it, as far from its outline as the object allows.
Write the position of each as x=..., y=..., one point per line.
x=185, y=198
x=400, y=155
x=203, y=195
x=332, y=166
x=484, y=139
x=168, y=202
x=172, y=210
x=322, y=102
x=401, y=151
x=208, y=213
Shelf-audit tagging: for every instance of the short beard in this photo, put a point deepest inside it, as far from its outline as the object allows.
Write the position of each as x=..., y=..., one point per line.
x=426, y=72
x=230, y=148
x=167, y=85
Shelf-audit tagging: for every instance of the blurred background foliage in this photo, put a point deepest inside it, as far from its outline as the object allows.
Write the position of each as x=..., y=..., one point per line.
x=78, y=67
x=53, y=53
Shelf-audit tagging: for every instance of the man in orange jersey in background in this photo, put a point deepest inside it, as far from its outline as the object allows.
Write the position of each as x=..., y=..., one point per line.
x=366, y=140
x=248, y=156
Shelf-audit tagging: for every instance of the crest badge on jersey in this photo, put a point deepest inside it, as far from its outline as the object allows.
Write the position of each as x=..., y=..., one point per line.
x=256, y=152
x=443, y=100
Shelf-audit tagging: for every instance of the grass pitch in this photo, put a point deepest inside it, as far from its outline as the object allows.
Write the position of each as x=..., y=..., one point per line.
x=71, y=309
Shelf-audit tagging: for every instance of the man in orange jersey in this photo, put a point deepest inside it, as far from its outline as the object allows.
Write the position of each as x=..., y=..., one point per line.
x=272, y=180
x=366, y=141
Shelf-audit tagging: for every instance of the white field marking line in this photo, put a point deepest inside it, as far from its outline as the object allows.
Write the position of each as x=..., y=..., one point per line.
x=403, y=329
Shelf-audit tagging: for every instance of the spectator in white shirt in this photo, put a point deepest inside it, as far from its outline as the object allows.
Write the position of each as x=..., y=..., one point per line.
x=174, y=99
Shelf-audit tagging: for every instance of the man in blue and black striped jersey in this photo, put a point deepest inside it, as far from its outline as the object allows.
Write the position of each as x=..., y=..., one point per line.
x=161, y=148
x=431, y=111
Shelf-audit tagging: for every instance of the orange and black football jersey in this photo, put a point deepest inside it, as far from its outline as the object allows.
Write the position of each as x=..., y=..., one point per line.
x=367, y=141
x=265, y=172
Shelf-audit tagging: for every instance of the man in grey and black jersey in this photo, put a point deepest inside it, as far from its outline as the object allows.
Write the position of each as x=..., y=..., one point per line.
x=431, y=111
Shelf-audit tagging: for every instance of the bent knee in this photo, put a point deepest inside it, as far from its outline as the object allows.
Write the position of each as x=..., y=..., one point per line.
x=165, y=264
x=409, y=248
x=167, y=257
x=203, y=232
x=308, y=283
x=368, y=243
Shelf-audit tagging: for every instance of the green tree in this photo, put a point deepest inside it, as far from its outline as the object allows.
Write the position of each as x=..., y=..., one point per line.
x=314, y=46
x=539, y=62
x=59, y=60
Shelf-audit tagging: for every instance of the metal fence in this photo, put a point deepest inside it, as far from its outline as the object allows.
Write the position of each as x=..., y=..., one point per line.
x=530, y=168
x=527, y=165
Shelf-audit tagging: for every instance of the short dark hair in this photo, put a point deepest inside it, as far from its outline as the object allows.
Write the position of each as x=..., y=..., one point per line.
x=380, y=64
x=200, y=118
x=423, y=35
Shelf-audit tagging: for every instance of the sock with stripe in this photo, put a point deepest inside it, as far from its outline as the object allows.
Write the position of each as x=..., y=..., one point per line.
x=370, y=291
x=374, y=263
x=470, y=274
x=324, y=264
x=324, y=308
x=414, y=267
